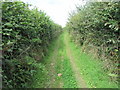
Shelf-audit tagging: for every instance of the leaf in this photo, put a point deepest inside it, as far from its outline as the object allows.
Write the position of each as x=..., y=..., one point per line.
x=113, y=75
x=8, y=25
x=106, y=24
x=110, y=26
x=116, y=50
x=8, y=34
x=7, y=29
x=9, y=43
x=36, y=40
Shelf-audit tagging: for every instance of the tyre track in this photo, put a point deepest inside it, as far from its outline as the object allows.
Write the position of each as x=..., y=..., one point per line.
x=80, y=81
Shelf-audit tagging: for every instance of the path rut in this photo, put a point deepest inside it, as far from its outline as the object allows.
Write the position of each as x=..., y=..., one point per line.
x=51, y=69
x=80, y=81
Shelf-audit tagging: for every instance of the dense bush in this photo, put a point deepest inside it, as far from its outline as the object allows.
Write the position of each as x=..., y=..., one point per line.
x=97, y=26
x=26, y=35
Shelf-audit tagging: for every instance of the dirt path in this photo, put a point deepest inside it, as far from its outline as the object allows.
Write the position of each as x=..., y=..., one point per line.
x=53, y=82
x=62, y=60
x=80, y=82
x=51, y=69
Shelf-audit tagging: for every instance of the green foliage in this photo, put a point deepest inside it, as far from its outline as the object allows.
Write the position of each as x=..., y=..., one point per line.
x=58, y=62
x=22, y=30
x=91, y=69
x=18, y=72
x=98, y=24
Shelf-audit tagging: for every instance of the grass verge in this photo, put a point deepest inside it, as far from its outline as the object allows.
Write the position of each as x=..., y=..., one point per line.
x=90, y=68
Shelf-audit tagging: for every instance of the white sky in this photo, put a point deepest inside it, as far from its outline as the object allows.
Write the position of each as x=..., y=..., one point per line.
x=58, y=10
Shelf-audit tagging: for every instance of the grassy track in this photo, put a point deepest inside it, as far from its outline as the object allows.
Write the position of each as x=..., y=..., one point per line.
x=78, y=69
x=90, y=68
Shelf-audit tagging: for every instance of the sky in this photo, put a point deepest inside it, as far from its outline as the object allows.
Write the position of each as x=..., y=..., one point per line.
x=58, y=10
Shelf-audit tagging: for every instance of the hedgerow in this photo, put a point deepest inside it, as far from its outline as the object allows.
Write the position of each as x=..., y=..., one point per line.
x=26, y=34
x=96, y=26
